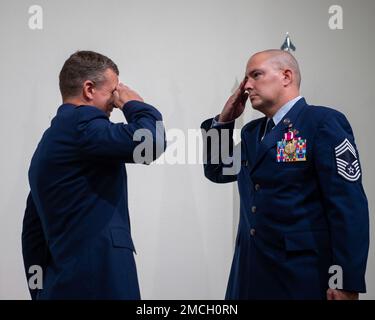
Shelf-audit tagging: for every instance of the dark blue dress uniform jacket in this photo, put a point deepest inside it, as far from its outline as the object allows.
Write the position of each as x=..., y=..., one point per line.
x=299, y=218
x=76, y=224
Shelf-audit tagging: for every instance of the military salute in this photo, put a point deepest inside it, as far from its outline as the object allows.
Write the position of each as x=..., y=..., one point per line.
x=302, y=204
x=303, y=208
x=76, y=225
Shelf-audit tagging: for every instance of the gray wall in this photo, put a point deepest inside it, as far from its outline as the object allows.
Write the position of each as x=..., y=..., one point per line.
x=185, y=57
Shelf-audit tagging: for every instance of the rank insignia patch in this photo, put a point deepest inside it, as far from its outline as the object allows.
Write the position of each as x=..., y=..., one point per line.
x=291, y=148
x=347, y=161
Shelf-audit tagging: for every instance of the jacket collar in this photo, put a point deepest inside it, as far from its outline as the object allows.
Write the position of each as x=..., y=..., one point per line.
x=65, y=107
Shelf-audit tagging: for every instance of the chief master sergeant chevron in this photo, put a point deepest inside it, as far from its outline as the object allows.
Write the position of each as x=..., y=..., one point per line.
x=76, y=225
x=302, y=205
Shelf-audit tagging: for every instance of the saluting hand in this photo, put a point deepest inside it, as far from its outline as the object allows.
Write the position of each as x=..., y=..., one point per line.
x=124, y=94
x=235, y=104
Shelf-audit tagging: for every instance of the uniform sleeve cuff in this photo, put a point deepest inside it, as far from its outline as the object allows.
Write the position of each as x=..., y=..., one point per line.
x=216, y=123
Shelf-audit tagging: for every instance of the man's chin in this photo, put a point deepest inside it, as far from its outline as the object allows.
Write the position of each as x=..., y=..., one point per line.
x=257, y=105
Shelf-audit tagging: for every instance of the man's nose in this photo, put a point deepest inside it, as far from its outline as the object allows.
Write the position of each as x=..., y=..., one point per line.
x=249, y=85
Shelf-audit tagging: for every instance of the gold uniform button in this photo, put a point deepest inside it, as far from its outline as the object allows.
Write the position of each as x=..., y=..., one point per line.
x=253, y=209
x=257, y=187
x=252, y=232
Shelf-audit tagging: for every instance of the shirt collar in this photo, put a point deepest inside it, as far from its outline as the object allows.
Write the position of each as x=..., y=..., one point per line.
x=284, y=110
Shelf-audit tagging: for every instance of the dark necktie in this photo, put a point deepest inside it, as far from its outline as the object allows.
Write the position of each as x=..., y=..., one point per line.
x=269, y=126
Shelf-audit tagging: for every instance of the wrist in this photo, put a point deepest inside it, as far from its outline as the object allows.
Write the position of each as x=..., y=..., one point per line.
x=223, y=119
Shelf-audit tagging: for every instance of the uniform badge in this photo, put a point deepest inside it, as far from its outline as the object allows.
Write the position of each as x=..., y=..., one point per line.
x=291, y=148
x=347, y=161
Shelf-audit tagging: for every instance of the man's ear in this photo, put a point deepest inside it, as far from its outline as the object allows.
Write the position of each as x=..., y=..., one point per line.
x=88, y=89
x=287, y=77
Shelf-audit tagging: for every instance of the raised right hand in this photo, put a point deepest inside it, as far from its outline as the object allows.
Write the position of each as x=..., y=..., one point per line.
x=235, y=105
x=124, y=94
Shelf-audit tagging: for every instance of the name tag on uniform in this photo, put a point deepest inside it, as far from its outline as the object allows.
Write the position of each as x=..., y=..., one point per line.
x=291, y=148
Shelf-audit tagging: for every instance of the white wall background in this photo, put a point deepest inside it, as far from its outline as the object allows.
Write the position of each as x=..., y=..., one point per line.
x=184, y=57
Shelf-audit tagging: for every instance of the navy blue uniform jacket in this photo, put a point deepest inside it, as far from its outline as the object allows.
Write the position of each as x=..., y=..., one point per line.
x=76, y=225
x=297, y=219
